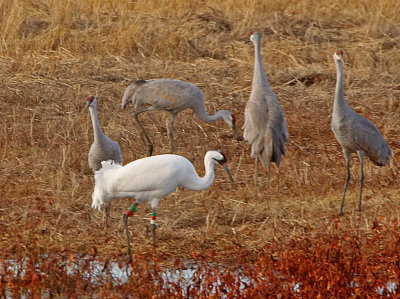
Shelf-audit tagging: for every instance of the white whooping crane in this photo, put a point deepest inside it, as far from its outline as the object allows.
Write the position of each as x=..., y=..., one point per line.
x=150, y=179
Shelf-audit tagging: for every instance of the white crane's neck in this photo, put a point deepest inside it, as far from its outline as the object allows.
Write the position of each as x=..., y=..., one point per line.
x=201, y=183
x=97, y=132
x=259, y=77
x=339, y=104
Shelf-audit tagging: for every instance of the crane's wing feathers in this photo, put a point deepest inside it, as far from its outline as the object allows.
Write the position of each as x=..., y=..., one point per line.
x=256, y=119
x=168, y=94
x=265, y=129
x=370, y=140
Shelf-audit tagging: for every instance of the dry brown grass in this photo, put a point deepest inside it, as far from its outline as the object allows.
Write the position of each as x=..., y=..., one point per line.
x=55, y=53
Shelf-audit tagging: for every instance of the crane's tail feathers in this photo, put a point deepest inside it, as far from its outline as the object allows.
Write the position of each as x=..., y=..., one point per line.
x=383, y=157
x=109, y=164
x=99, y=193
x=129, y=94
x=271, y=147
x=97, y=199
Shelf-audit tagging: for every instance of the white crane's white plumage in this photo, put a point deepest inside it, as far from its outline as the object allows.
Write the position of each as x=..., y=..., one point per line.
x=172, y=96
x=265, y=125
x=150, y=179
x=103, y=148
x=355, y=133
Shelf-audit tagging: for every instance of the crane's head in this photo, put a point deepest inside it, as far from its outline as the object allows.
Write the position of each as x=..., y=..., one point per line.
x=255, y=36
x=220, y=158
x=91, y=102
x=230, y=119
x=338, y=56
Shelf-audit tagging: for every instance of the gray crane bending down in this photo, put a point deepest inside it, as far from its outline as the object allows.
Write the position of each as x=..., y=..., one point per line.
x=355, y=133
x=103, y=148
x=265, y=126
x=172, y=96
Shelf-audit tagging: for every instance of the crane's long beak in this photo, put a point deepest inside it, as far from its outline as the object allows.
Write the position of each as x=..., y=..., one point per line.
x=226, y=168
x=86, y=108
x=236, y=134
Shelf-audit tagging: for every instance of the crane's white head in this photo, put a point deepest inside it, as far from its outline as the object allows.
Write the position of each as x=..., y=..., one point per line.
x=230, y=119
x=220, y=158
x=338, y=56
x=91, y=102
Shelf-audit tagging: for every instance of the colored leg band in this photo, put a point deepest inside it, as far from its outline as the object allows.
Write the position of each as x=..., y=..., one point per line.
x=131, y=210
x=153, y=218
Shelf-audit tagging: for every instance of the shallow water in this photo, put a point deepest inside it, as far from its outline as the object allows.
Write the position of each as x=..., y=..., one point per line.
x=98, y=272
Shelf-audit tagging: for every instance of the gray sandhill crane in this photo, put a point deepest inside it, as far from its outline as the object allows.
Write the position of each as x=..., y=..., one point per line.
x=150, y=179
x=103, y=148
x=265, y=126
x=172, y=96
x=355, y=133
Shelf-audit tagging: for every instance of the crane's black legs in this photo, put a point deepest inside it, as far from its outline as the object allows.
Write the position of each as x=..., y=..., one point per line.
x=361, y=156
x=256, y=176
x=347, y=157
x=153, y=225
x=171, y=133
x=268, y=174
x=127, y=214
x=278, y=181
x=107, y=212
x=127, y=237
x=136, y=115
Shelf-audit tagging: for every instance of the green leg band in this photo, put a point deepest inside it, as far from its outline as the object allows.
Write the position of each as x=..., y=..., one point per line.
x=133, y=208
x=131, y=211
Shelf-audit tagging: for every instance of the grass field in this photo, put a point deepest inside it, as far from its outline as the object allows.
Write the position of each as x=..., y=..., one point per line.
x=53, y=54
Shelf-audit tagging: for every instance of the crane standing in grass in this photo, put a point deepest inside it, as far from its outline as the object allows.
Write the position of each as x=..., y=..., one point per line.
x=355, y=133
x=265, y=126
x=150, y=179
x=172, y=96
x=103, y=148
